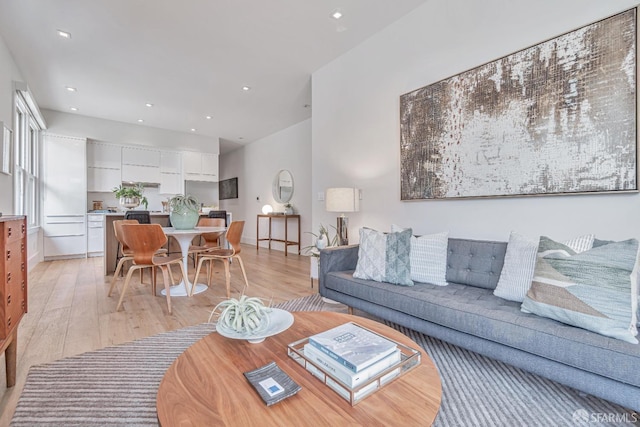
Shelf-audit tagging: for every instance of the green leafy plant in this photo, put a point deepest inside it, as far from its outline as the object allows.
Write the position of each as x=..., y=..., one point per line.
x=313, y=250
x=181, y=203
x=130, y=192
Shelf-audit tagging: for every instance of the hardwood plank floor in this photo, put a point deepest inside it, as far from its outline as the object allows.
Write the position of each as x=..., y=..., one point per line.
x=70, y=312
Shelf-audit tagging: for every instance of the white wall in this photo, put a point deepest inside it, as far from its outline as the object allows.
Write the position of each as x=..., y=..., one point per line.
x=256, y=165
x=356, y=129
x=8, y=73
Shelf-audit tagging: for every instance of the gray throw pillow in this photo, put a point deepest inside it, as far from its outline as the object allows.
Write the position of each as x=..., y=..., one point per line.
x=384, y=257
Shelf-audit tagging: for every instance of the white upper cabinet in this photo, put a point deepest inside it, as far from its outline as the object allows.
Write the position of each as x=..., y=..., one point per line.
x=103, y=166
x=171, y=173
x=140, y=165
x=65, y=165
x=140, y=157
x=170, y=162
x=101, y=155
x=200, y=166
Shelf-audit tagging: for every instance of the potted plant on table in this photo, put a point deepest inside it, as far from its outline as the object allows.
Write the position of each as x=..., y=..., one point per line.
x=130, y=196
x=322, y=240
x=184, y=211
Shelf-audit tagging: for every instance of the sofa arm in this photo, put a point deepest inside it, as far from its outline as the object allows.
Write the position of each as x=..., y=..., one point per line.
x=337, y=258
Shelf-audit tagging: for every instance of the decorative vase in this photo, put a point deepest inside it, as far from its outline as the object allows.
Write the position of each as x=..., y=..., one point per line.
x=288, y=210
x=129, y=202
x=184, y=219
x=322, y=241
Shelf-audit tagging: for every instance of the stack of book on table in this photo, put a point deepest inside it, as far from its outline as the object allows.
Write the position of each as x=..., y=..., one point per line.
x=352, y=355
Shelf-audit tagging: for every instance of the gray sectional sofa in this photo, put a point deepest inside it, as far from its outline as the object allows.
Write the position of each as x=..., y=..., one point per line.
x=467, y=314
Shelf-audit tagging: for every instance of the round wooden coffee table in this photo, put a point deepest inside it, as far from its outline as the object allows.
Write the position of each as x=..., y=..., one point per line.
x=206, y=385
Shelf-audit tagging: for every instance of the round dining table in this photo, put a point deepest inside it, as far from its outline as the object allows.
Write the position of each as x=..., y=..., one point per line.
x=184, y=238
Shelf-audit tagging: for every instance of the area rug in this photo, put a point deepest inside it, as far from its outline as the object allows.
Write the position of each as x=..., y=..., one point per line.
x=118, y=385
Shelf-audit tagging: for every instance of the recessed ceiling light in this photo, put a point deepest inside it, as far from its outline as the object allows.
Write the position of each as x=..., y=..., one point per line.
x=336, y=14
x=149, y=105
x=140, y=120
x=246, y=88
x=71, y=89
x=193, y=129
x=208, y=117
x=64, y=34
x=73, y=109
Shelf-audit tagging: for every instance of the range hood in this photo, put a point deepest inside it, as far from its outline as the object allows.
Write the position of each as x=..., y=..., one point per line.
x=144, y=184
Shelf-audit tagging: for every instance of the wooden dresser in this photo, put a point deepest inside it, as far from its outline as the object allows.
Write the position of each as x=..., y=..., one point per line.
x=13, y=287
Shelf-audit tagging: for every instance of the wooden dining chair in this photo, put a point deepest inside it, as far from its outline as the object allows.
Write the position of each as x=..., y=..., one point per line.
x=144, y=240
x=233, y=236
x=124, y=253
x=208, y=241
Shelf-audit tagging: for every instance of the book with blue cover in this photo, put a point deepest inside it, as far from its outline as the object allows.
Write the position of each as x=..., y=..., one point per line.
x=353, y=346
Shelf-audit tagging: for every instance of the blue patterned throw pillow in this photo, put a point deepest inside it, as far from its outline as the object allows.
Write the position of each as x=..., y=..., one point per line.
x=384, y=257
x=596, y=289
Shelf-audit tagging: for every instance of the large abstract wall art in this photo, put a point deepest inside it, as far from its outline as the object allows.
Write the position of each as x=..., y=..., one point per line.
x=556, y=118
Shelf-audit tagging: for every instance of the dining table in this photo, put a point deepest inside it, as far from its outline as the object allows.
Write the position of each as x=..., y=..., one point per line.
x=184, y=238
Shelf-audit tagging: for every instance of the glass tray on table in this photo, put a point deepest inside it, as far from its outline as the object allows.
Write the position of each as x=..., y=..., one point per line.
x=409, y=359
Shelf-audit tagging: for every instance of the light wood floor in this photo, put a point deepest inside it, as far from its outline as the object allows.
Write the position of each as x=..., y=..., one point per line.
x=70, y=313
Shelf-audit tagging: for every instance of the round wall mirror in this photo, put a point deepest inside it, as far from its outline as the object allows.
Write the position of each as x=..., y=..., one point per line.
x=283, y=186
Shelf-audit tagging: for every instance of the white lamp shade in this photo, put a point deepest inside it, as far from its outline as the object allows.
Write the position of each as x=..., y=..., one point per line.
x=267, y=209
x=342, y=200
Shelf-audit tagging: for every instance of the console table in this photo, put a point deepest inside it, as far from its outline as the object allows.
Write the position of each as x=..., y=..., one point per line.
x=286, y=240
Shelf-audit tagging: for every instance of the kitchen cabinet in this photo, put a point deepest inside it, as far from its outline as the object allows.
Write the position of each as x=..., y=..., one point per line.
x=140, y=157
x=13, y=288
x=171, y=181
x=140, y=165
x=95, y=234
x=200, y=166
x=103, y=166
x=102, y=155
x=64, y=196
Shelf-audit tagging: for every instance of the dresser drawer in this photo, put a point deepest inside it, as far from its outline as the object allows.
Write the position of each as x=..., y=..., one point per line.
x=14, y=253
x=14, y=231
x=14, y=306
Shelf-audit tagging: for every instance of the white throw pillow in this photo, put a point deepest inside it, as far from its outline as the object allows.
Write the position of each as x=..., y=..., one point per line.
x=517, y=271
x=428, y=257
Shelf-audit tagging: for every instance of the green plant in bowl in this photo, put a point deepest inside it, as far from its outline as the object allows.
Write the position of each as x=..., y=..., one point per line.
x=130, y=196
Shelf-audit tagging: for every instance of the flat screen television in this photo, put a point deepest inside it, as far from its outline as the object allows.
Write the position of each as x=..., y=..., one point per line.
x=228, y=189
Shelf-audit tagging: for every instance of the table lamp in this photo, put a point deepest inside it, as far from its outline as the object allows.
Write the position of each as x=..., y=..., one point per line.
x=342, y=200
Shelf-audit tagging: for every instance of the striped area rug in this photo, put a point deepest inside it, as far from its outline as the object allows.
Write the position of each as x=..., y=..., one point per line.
x=118, y=385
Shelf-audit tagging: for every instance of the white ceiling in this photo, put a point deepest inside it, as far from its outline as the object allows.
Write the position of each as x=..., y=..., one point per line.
x=189, y=58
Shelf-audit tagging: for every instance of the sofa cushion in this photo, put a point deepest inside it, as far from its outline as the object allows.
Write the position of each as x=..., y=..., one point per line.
x=478, y=312
x=384, y=257
x=519, y=265
x=475, y=262
x=428, y=257
x=595, y=289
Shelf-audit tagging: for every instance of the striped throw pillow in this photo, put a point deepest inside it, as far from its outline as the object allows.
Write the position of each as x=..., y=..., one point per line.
x=517, y=271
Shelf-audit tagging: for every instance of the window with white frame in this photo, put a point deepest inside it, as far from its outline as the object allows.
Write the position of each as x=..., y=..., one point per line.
x=27, y=143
